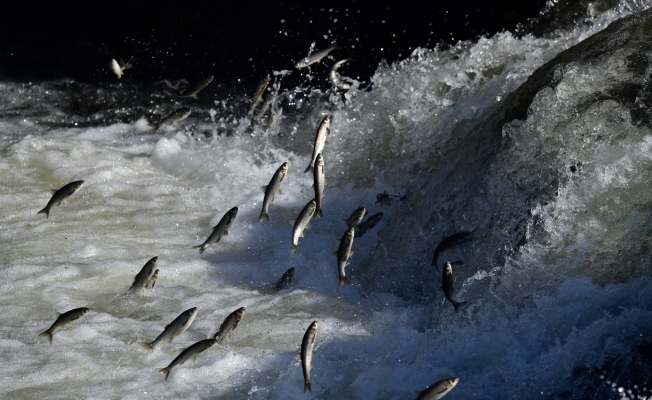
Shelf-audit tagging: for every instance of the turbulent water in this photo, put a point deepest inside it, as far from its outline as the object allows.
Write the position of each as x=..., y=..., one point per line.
x=539, y=146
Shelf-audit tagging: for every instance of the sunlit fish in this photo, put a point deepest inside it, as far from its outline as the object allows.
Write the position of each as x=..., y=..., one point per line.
x=316, y=57
x=285, y=280
x=448, y=243
x=335, y=79
x=190, y=352
x=437, y=390
x=61, y=196
x=65, y=320
x=258, y=96
x=174, y=329
x=307, y=351
x=356, y=217
x=152, y=281
x=320, y=182
x=141, y=279
x=320, y=140
x=192, y=91
x=229, y=324
x=221, y=229
x=343, y=253
x=302, y=222
x=119, y=68
x=362, y=228
x=271, y=189
x=176, y=116
x=447, y=286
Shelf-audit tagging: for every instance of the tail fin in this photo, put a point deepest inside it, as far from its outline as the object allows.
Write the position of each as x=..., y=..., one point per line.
x=48, y=334
x=319, y=213
x=264, y=216
x=295, y=248
x=153, y=125
x=306, y=386
x=458, y=305
x=45, y=211
x=344, y=280
x=200, y=247
x=165, y=371
x=171, y=86
x=310, y=168
x=147, y=346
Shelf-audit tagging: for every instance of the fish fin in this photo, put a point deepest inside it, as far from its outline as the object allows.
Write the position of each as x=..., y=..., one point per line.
x=264, y=217
x=307, y=225
x=298, y=356
x=194, y=96
x=458, y=305
x=334, y=253
x=441, y=289
x=171, y=86
x=301, y=234
x=295, y=248
x=344, y=280
x=53, y=191
x=271, y=200
x=324, y=181
x=314, y=353
x=200, y=247
x=264, y=188
x=46, y=212
x=57, y=314
x=319, y=213
x=146, y=345
x=350, y=253
x=308, y=169
x=226, y=233
x=313, y=186
x=153, y=125
x=165, y=371
x=279, y=192
x=306, y=386
x=293, y=221
x=194, y=358
x=418, y=392
x=48, y=334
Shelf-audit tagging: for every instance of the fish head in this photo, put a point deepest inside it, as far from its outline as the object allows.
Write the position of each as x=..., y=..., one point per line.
x=290, y=272
x=239, y=313
x=192, y=312
x=233, y=212
x=448, y=269
x=208, y=79
x=77, y=185
x=326, y=121
x=312, y=205
x=450, y=383
x=302, y=63
x=267, y=79
x=154, y=261
x=350, y=233
x=313, y=328
x=284, y=168
x=83, y=312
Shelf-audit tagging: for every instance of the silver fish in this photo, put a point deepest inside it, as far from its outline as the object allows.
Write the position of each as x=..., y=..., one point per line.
x=343, y=253
x=316, y=57
x=141, y=279
x=320, y=182
x=447, y=243
x=229, y=324
x=192, y=92
x=438, y=389
x=356, y=217
x=65, y=320
x=221, y=229
x=362, y=228
x=173, y=329
x=307, y=351
x=285, y=280
x=152, y=281
x=258, y=96
x=333, y=75
x=61, y=196
x=190, y=352
x=118, y=68
x=320, y=140
x=447, y=286
x=302, y=222
x=271, y=189
x=176, y=116
x=268, y=101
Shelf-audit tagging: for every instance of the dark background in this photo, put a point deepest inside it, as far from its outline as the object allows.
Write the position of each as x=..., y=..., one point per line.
x=237, y=39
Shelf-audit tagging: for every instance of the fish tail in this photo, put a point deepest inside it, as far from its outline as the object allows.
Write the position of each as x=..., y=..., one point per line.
x=344, y=280
x=165, y=371
x=45, y=211
x=48, y=334
x=200, y=247
x=146, y=345
x=153, y=125
x=295, y=248
x=307, y=387
x=308, y=169
x=319, y=213
x=264, y=216
x=458, y=305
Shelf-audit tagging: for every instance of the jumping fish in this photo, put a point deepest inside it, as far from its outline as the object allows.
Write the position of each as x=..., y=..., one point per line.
x=61, y=196
x=192, y=91
x=258, y=96
x=343, y=253
x=268, y=101
x=437, y=390
x=307, y=351
x=271, y=189
x=65, y=320
x=320, y=182
x=190, y=352
x=285, y=280
x=368, y=224
x=316, y=57
x=176, y=116
x=320, y=140
x=447, y=243
x=173, y=329
x=229, y=324
x=141, y=279
x=221, y=229
x=119, y=68
x=356, y=217
x=302, y=222
x=333, y=75
x=447, y=286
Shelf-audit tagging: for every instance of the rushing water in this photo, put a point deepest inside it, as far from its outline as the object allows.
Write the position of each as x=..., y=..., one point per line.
x=556, y=272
